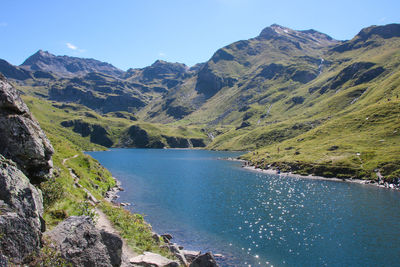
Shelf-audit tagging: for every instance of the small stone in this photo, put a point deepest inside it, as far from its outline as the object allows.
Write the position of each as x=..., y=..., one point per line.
x=167, y=237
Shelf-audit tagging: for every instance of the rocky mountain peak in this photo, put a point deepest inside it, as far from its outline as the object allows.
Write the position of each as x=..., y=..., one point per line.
x=169, y=66
x=42, y=53
x=273, y=31
x=66, y=66
x=278, y=32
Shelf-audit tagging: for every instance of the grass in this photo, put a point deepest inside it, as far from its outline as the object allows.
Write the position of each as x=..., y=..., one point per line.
x=362, y=140
x=62, y=199
x=134, y=230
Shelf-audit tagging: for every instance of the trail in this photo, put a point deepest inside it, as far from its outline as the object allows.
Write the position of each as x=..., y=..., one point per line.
x=103, y=223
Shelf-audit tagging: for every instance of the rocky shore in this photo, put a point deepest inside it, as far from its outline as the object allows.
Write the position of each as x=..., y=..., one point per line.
x=380, y=183
x=185, y=257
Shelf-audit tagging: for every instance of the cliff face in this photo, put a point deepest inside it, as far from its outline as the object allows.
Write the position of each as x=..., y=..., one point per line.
x=21, y=138
x=21, y=210
x=25, y=158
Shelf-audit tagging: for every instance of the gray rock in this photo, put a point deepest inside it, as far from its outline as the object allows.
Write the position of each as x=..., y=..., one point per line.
x=204, y=260
x=113, y=244
x=156, y=237
x=21, y=138
x=167, y=237
x=174, y=248
x=149, y=259
x=81, y=244
x=21, y=208
x=190, y=255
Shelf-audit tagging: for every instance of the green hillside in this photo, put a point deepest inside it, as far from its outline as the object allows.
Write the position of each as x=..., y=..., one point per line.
x=298, y=100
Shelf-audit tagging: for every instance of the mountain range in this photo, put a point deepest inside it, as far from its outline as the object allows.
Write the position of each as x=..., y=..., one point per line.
x=299, y=100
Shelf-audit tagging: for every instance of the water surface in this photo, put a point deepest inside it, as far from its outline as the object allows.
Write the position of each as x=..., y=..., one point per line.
x=254, y=218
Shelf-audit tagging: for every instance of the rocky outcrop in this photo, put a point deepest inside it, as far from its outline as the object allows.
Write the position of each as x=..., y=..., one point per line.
x=297, y=38
x=135, y=136
x=21, y=138
x=149, y=259
x=98, y=134
x=119, y=101
x=21, y=208
x=178, y=111
x=160, y=76
x=82, y=244
x=177, y=142
x=65, y=66
x=197, y=142
x=204, y=260
x=275, y=71
x=113, y=244
x=209, y=83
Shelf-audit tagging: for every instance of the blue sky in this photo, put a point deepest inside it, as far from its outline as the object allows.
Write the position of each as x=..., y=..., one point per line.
x=134, y=33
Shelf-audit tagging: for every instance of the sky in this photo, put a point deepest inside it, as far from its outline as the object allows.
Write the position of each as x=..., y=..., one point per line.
x=135, y=33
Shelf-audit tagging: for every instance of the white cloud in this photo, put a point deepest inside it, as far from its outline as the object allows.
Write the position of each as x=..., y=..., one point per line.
x=71, y=46
x=162, y=54
x=383, y=19
x=75, y=48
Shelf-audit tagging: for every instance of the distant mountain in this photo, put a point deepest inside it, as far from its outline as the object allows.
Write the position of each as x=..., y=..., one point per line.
x=331, y=106
x=278, y=53
x=161, y=75
x=367, y=37
x=66, y=66
x=13, y=72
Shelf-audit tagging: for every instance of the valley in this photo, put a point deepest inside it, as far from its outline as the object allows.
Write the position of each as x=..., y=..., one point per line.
x=298, y=100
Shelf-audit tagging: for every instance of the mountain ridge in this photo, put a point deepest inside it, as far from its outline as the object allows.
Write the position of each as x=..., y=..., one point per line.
x=66, y=66
x=258, y=94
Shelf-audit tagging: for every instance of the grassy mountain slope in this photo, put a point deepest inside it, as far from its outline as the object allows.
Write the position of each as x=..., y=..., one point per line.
x=241, y=73
x=260, y=94
x=113, y=130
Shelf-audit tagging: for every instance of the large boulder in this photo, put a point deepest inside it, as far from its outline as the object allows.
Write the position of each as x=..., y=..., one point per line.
x=204, y=260
x=113, y=244
x=21, y=208
x=82, y=244
x=21, y=138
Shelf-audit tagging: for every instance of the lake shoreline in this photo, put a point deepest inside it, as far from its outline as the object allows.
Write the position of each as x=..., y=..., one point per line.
x=179, y=252
x=313, y=177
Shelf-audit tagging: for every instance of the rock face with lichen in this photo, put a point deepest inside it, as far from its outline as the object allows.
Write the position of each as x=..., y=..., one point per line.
x=25, y=158
x=21, y=210
x=82, y=244
x=21, y=138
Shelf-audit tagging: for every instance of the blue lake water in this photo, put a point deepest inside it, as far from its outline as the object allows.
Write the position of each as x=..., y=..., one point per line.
x=254, y=218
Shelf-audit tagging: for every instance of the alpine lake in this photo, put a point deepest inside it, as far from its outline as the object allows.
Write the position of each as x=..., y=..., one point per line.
x=252, y=218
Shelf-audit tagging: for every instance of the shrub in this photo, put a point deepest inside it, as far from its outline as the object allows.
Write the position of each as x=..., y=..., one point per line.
x=85, y=209
x=52, y=191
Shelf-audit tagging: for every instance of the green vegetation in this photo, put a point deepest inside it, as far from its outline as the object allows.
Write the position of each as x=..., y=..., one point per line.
x=62, y=198
x=328, y=109
x=48, y=256
x=134, y=229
